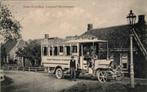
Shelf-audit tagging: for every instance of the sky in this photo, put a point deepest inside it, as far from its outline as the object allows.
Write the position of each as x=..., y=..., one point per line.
x=61, y=18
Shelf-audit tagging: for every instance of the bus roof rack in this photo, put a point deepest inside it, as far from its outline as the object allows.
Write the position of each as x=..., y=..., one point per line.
x=85, y=41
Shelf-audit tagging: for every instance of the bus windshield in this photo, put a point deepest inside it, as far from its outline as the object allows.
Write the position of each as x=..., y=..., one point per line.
x=97, y=50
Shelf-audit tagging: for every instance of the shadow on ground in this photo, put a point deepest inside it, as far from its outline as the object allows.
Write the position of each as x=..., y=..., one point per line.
x=106, y=87
x=81, y=77
x=6, y=85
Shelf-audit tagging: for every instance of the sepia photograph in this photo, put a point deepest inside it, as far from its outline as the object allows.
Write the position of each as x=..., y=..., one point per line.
x=73, y=46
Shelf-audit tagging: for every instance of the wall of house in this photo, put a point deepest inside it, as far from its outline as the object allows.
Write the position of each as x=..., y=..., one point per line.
x=120, y=58
x=123, y=59
x=140, y=65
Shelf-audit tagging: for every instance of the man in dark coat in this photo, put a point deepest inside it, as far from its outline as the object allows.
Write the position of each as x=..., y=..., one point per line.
x=73, y=68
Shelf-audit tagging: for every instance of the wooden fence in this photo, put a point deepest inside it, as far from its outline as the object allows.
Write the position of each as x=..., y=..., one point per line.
x=18, y=68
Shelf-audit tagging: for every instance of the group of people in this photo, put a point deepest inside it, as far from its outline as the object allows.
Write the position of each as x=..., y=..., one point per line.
x=90, y=59
x=90, y=63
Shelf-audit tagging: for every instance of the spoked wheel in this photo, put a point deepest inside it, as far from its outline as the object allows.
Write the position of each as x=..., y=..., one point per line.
x=119, y=75
x=59, y=73
x=102, y=76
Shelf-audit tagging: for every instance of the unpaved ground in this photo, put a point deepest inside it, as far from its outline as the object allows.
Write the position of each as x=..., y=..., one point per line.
x=35, y=82
x=18, y=81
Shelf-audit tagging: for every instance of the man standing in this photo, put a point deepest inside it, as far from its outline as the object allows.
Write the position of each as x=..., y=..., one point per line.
x=72, y=68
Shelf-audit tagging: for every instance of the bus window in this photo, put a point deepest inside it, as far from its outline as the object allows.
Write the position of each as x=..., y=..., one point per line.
x=45, y=51
x=51, y=51
x=74, y=49
x=68, y=51
x=55, y=51
x=61, y=49
x=102, y=51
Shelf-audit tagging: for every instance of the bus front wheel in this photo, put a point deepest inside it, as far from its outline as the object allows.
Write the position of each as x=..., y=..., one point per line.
x=101, y=76
x=59, y=73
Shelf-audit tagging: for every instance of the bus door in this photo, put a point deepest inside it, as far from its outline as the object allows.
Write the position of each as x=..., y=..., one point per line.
x=84, y=50
x=88, y=52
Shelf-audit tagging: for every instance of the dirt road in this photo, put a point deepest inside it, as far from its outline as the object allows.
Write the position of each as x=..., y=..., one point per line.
x=35, y=82
x=19, y=81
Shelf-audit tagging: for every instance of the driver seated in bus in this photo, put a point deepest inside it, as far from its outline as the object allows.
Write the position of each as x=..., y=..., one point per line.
x=94, y=57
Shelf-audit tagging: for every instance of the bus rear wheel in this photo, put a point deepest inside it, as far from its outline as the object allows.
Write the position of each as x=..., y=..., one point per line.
x=59, y=73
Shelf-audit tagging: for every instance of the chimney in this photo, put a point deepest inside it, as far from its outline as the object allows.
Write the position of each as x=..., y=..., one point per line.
x=141, y=19
x=46, y=36
x=89, y=27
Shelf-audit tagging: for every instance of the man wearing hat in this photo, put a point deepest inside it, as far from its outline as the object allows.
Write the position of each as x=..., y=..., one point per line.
x=73, y=68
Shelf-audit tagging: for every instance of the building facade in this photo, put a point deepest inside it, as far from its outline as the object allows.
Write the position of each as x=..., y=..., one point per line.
x=9, y=51
x=119, y=44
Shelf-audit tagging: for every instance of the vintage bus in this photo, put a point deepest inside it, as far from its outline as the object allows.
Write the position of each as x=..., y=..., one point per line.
x=56, y=55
